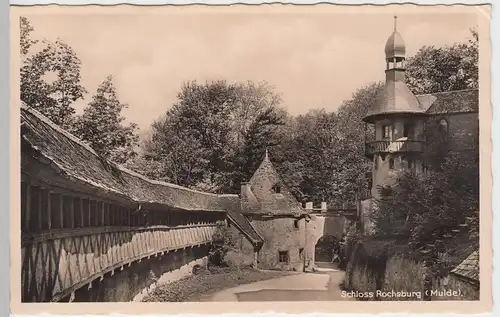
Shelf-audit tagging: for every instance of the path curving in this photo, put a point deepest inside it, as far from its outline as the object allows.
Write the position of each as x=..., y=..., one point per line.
x=322, y=285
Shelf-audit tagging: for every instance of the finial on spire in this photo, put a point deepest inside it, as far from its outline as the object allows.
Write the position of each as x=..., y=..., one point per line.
x=395, y=22
x=267, y=153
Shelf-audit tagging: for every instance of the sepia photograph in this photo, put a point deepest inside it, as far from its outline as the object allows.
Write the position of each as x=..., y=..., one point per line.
x=259, y=154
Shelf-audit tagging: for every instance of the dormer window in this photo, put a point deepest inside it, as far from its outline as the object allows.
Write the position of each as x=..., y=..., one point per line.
x=276, y=189
x=443, y=125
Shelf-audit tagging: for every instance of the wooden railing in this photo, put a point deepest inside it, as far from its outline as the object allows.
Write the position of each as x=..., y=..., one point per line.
x=56, y=263
x=373, y=147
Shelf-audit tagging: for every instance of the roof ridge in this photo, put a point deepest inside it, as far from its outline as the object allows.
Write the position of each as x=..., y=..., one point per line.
x=80, y=142
x=54, y=126
x=447, y=92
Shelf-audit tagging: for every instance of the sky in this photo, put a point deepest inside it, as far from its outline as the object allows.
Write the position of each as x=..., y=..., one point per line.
x=314, y=60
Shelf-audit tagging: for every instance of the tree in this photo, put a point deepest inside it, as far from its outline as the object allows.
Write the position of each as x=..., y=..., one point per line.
x=322, y=153
x=204, y=137
x=446, y=68
x=222, y=243
x=425, y=209
x=260, y=136
x=25, y=39
x=50, y=78
x=102, y=126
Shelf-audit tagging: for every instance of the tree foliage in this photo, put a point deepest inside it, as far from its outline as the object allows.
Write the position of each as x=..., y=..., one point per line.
x=213, y=133
x=322, y=159
x=25, y=40
x=50, y=77
x=102, y=126
x=222, y=243
x=437, y=69
x=426, y=209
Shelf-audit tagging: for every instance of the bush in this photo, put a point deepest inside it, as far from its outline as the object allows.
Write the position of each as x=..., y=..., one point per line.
x=425, y=210
x=222, y=243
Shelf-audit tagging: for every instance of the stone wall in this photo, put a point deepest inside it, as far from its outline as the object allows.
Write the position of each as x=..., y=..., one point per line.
x=446, y=288
x=400, y=278
x=136, y=281
x=243, y=253
x=280, y=234
x=365, y=208
x=318, y=227
x=461, y=134
x=405, y=276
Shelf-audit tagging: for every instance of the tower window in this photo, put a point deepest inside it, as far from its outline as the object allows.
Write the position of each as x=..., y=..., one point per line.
x=283, y=257
x=296, y=224
x=443, y=125
x=391, y=163
x=301, y=253
x=386, y=132
x=411, y=164
x=375, y=162
x=407, y=130
x=276, y=189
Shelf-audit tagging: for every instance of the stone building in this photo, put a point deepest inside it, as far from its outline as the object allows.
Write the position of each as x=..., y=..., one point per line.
x=461, y=283
x=403, y=129
x=270, y=227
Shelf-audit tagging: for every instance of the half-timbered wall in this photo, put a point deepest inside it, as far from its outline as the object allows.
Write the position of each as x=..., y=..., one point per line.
x=72, y=240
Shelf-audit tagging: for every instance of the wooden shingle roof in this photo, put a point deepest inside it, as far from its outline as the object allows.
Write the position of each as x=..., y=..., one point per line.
x=457, y=101
x=233, y=207
x=469, y=268
x=260, y=198
x=73, y=158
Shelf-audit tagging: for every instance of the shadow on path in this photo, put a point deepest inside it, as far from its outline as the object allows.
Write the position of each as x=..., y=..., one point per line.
x=332, y=292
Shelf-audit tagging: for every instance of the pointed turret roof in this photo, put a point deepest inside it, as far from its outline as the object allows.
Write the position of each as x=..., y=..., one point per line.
x=268, y=190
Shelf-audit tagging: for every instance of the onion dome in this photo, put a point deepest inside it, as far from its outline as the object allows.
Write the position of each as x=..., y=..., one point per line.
x=395, y=98
x=395, y=46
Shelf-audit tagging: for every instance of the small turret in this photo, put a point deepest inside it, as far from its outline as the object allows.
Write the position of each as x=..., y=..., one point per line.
x=397, y=119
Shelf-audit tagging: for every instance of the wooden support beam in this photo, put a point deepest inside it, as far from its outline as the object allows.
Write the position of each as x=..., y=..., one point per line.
x=103, y=212
x=28, y=206
x=111, y=218
x=61, y=210
x=40, y=211
x=82, y=224
x=89, y=209
x=108, y=209
x=72, y=212
x=49, y=209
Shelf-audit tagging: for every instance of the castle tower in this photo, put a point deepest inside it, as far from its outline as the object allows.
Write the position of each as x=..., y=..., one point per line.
x=396, y=122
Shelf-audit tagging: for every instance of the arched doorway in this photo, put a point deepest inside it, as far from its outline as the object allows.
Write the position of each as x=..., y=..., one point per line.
x=323, y=250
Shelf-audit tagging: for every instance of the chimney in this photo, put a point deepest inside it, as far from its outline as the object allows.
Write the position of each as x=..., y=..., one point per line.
x=309, y=206
x=323, y=206
x=245, y=189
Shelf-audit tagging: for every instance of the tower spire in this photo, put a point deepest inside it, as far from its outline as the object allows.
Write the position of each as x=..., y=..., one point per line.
x=395, y=22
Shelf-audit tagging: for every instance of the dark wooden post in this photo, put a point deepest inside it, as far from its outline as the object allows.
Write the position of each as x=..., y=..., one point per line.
x=72, y=212
x=49, y=210
x=81, y=213
x=61, y=210
x=103, y=212
x=40, y=211
x=89, y=209
x=28, y=206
